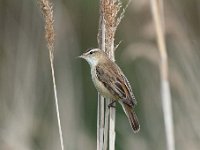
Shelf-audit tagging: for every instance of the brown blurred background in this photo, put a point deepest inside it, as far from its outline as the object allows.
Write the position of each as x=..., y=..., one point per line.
x=27, y=110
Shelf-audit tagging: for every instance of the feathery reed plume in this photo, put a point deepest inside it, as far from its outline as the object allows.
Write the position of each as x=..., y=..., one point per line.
x=158, y=16
x=110, y=17
x=47, y=11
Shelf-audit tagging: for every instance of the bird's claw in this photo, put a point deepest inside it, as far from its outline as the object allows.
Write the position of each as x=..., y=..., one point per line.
x=112, y=104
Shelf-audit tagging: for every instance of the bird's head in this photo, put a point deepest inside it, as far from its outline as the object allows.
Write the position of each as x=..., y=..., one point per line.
x=94, y=56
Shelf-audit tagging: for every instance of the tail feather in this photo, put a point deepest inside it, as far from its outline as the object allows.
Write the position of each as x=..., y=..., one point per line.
x=132, y=117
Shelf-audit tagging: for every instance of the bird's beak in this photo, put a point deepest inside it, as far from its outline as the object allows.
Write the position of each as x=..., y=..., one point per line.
x=81, y=56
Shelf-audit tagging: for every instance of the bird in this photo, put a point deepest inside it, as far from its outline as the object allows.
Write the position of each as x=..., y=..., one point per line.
x=111, y=83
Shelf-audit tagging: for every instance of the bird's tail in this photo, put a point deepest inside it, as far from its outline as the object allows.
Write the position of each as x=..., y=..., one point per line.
x=133, y=120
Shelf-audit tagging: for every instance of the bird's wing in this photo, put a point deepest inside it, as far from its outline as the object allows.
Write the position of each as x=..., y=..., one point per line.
x=114, y=80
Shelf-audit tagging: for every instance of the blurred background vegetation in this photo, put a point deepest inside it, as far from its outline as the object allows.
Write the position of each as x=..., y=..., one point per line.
x=27, y=111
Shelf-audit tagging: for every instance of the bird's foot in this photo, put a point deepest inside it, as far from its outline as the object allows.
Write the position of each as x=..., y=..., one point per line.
x=112, y=104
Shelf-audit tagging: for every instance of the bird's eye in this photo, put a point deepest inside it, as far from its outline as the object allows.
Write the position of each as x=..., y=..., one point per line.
x=91, y=52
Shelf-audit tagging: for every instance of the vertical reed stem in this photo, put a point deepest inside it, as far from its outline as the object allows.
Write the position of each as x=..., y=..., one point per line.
x=101, y=100
x=158, y=16
x=47, y=11
x=108, y=23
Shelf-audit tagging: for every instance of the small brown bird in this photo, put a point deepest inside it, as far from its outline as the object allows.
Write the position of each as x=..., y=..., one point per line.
x=110, y=82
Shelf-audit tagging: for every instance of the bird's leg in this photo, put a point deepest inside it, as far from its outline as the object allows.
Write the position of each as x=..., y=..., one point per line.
x=112, y=104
